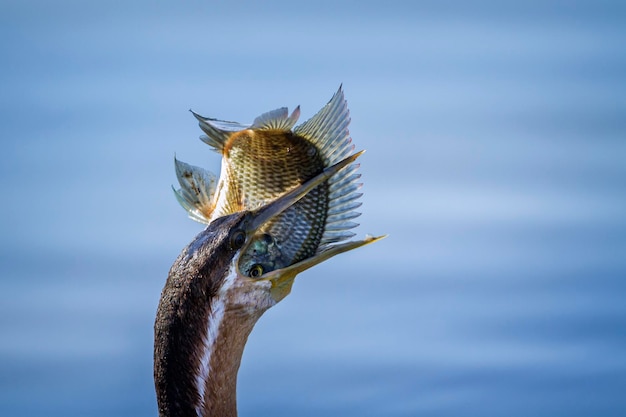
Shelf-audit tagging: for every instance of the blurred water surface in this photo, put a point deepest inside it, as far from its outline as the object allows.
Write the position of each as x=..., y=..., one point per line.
x=496, y=138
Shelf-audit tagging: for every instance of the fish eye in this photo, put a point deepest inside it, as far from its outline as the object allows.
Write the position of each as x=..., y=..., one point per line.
x=256, y=271
x=268, y=239
x=237, y=239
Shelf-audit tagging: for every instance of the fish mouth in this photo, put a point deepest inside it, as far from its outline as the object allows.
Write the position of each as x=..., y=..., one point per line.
x=282, y=279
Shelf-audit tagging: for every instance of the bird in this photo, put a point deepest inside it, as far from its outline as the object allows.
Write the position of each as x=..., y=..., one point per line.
x=283, y=203
x=209, y=306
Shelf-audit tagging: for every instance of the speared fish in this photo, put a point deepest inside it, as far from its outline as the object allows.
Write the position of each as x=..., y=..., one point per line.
x=266, y=159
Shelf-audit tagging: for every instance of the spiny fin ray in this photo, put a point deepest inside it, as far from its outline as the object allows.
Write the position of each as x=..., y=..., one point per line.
x=217, y=131
x=278, y=119
x=328, y=129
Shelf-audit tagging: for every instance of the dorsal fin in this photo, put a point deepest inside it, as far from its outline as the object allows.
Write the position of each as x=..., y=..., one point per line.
x=197, y=190
x=328, y=130
x=217, y=131
x=342, y=203
x=278, y=119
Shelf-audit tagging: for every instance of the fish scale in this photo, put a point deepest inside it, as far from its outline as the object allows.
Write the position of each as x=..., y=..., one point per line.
x=268, y=158
x=266, y=164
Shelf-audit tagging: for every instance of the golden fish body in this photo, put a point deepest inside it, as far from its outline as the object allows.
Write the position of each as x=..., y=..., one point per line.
x=263, y=161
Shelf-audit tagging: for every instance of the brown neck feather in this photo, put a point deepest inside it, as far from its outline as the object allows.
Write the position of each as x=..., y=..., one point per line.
x=220, y=397
x=193, y=300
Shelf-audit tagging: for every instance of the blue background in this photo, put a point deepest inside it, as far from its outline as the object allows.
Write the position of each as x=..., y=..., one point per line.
x=496, y=139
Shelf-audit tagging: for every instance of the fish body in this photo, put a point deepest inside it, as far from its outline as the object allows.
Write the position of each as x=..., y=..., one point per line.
x=264, y=160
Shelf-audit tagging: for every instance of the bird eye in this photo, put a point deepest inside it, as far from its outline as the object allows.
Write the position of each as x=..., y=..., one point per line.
x=237, y=239
x=256, y=271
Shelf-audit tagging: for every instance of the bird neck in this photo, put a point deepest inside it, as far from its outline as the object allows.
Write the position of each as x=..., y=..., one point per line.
x=217, y=379
x=199, y=342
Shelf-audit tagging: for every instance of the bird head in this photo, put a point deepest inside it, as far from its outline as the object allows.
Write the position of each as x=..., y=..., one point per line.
x=244, y=264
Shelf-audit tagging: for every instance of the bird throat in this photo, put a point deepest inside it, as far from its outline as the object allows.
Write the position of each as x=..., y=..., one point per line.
x=228, y=326
x=201, y=329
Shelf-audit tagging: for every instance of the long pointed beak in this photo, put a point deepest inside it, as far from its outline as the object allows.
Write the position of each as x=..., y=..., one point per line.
x=282, y=279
